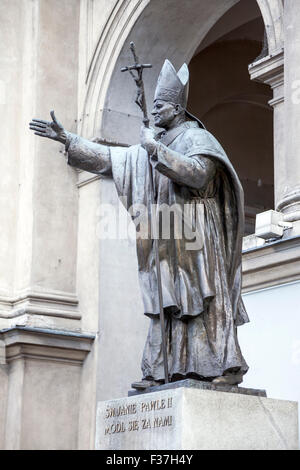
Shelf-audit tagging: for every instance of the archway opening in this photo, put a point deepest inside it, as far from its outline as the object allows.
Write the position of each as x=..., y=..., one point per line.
x=234, y=108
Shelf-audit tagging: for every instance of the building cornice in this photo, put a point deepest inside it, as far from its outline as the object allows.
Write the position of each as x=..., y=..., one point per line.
x=272, y=264
x=45, y=344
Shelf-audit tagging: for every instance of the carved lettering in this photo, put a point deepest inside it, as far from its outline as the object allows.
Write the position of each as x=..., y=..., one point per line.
x=146, y=424
x=112, y=412
x=133, y=426
x=152, y=410
x=163, y=421
x=115, y=428
x=153, y=405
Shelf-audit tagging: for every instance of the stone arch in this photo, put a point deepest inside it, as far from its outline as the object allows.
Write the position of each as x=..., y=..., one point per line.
x=109, y=109
x=272, y=13
x=97, y=81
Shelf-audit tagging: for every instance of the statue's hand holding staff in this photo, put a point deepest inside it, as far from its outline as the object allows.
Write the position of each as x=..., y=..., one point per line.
x=52, y=130
x=147, y=139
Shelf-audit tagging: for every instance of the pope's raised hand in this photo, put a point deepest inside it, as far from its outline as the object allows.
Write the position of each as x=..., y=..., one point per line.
x=51, y=129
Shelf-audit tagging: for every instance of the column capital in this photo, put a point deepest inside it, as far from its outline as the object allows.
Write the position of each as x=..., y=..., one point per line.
x=270, y=70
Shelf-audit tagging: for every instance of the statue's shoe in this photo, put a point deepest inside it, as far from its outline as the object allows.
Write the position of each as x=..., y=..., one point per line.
x=230, y=379
x=143, y=384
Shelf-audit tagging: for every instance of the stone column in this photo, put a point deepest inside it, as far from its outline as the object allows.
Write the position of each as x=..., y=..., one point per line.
x=289, y=202
x=270, y=70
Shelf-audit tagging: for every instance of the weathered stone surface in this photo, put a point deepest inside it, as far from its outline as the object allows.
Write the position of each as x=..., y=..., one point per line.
x=40, y=388
x=198, y=384
x=188, y=418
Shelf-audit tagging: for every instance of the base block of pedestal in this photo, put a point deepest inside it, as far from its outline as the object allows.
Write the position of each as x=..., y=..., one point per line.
x=194, y=419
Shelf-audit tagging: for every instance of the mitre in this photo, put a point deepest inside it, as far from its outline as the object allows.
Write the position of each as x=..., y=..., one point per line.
x=173, y=87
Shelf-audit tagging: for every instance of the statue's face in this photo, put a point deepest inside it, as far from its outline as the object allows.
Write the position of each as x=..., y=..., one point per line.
x=164, y=113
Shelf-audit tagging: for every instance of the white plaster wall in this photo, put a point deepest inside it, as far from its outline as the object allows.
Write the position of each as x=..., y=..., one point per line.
x=271, y=341
x=54, y=191
x=10, y=98
x=38, y=196
x=50, y=405
x=88, y=295
x=94, y=19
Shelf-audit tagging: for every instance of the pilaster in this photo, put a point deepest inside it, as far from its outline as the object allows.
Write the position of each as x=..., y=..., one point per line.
x=270, y=70
x=39, y=203
x=289, y=204
x=44, y=375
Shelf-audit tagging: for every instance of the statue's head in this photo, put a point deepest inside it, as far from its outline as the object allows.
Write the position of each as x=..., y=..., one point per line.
x=171, y=95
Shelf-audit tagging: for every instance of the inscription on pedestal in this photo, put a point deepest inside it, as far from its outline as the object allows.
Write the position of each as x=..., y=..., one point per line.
x=135, y=412
x=136, y=419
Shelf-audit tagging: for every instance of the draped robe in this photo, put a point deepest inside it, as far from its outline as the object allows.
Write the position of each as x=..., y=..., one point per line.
x=201, y=287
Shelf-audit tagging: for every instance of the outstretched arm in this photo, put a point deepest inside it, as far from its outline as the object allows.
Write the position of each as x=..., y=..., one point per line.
x=82, y=153
x=51, y=129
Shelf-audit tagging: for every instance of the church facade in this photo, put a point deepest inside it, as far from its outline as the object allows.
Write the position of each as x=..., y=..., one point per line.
x=72, y=328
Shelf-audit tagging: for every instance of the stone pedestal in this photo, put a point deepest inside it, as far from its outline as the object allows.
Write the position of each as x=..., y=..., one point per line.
x=188, y=418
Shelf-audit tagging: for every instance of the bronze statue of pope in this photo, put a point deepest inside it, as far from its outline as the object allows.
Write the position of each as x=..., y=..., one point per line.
x=201, y=288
